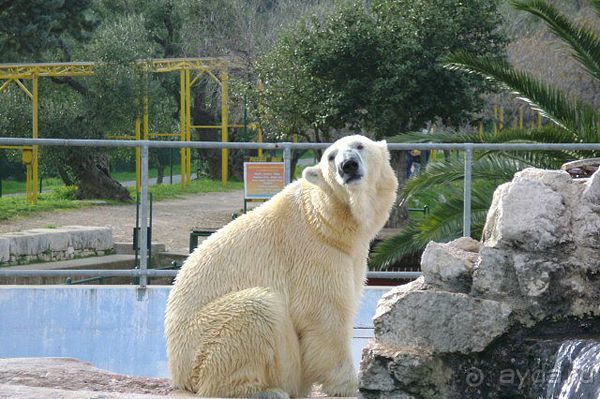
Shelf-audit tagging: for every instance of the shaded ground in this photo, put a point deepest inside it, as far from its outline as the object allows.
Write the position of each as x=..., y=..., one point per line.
x=172, y=219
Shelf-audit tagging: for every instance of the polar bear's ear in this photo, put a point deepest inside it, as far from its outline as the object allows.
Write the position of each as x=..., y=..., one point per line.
x=313, y=175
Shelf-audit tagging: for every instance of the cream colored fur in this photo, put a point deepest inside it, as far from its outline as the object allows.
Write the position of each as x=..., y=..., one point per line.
x=267, y=302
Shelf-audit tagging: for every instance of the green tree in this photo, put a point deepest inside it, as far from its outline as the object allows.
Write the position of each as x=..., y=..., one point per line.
x=29, y=28
x=573, y=122
x=376, y=70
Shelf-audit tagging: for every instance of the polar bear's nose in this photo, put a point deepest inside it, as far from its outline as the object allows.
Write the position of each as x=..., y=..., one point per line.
x=350, y=167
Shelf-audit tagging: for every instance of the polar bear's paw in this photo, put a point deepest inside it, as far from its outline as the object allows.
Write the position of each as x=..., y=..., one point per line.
x=271, y=394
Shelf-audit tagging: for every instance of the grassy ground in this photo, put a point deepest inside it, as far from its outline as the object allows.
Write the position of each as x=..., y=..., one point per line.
x=15, y=187
x=11, y=207
x=62, y=197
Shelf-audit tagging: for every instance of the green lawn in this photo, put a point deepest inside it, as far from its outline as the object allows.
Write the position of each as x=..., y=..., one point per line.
x=11, y=207
x=14, y=187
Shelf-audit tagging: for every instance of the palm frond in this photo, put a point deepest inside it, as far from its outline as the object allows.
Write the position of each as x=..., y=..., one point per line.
x=437, y=174
x=596, y=6
x=394, y=248
x=443, y=224
x=551, y=102
x=584, y=43
x=435, y=137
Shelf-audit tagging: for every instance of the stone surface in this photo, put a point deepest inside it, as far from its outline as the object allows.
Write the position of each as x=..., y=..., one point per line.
x=517, y=219
x=65, y=378
x=75, y=375
x=493, y=314
x=392, y=372
x=46, y=245
x=449, y=266
x=4, y=249
x=442, y=322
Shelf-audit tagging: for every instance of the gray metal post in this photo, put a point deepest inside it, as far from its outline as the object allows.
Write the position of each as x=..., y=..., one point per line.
x=467, y=192
x=144, y=210
x=287, y=159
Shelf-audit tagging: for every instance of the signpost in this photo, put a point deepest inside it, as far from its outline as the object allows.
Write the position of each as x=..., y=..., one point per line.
x=262, y=180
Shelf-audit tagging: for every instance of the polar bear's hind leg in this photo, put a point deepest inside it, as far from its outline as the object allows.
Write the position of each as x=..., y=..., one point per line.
x=241, y=351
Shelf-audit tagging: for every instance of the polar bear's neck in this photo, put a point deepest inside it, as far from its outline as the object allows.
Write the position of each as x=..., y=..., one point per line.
x=329, y=218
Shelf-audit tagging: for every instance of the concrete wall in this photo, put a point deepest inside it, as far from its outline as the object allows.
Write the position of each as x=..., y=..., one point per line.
x=118, y=328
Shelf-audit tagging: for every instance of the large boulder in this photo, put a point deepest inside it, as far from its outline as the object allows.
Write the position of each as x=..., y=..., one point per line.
x=485, y=311
x=442, y=322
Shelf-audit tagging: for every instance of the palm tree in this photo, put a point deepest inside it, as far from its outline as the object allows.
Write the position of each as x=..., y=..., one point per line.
x=441, y=183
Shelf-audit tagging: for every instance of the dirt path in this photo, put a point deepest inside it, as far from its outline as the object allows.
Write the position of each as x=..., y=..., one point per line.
x=172, y=219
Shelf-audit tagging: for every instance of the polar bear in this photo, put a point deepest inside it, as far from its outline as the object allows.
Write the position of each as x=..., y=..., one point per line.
x=264, y=307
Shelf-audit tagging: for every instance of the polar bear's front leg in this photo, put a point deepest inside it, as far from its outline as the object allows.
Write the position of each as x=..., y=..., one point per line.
x=327, y=359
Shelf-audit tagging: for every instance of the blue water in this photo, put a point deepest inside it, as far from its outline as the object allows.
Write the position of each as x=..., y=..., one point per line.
x=117, y=328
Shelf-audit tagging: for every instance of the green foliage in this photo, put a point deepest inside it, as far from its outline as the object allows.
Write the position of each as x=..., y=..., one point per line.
x=441, y=182
x=65, y=193
x=377, y=70
x=29, y=28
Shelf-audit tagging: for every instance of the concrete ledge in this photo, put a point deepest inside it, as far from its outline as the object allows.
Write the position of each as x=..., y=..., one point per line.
x=126, y=248
x=44, y=245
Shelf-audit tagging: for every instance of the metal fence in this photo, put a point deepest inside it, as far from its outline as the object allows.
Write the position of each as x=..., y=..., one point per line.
x=143, y=272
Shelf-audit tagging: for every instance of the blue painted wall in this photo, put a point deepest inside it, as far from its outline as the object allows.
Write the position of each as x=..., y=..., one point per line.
x=117, y=328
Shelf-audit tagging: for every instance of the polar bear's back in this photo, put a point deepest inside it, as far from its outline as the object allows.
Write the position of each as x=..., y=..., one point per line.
x=253, y=250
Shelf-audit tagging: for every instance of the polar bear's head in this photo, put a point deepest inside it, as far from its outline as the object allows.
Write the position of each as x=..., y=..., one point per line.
x=354, y=165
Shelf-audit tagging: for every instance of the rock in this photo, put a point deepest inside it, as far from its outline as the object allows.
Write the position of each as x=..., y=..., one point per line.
x=494, y=276
x=397, y=373
x=75, y=375
x=517, y=217
x=449, y=266
x=466, y=244
x=441, y=322
x=534, y=283
x=387, y=300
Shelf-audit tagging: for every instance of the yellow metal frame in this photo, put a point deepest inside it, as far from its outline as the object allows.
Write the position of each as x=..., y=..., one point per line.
x=216, y=68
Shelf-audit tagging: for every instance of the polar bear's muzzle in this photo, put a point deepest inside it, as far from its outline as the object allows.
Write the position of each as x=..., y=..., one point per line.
x=350, y=167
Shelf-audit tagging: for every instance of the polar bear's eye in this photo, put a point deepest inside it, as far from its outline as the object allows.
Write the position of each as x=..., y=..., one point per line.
x=331, y=158
x=360, y=147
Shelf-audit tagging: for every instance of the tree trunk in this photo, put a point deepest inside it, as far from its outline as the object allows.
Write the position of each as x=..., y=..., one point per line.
x=399, y=213
x=92, y=172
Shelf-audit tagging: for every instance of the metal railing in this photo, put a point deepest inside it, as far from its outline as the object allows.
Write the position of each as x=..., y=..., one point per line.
x=143, y=272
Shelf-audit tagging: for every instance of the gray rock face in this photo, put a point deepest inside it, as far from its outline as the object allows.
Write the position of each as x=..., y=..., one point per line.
x=449, y=266
x=538, y=265
x=442, y=322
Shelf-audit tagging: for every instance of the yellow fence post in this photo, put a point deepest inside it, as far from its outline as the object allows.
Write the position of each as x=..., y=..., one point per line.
x=495, y=128
x=35, y=134
x=501, y=118
x=188, y=125
x=27, y=159
x=260, y=140
x=224, y=126
x=182, y=121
